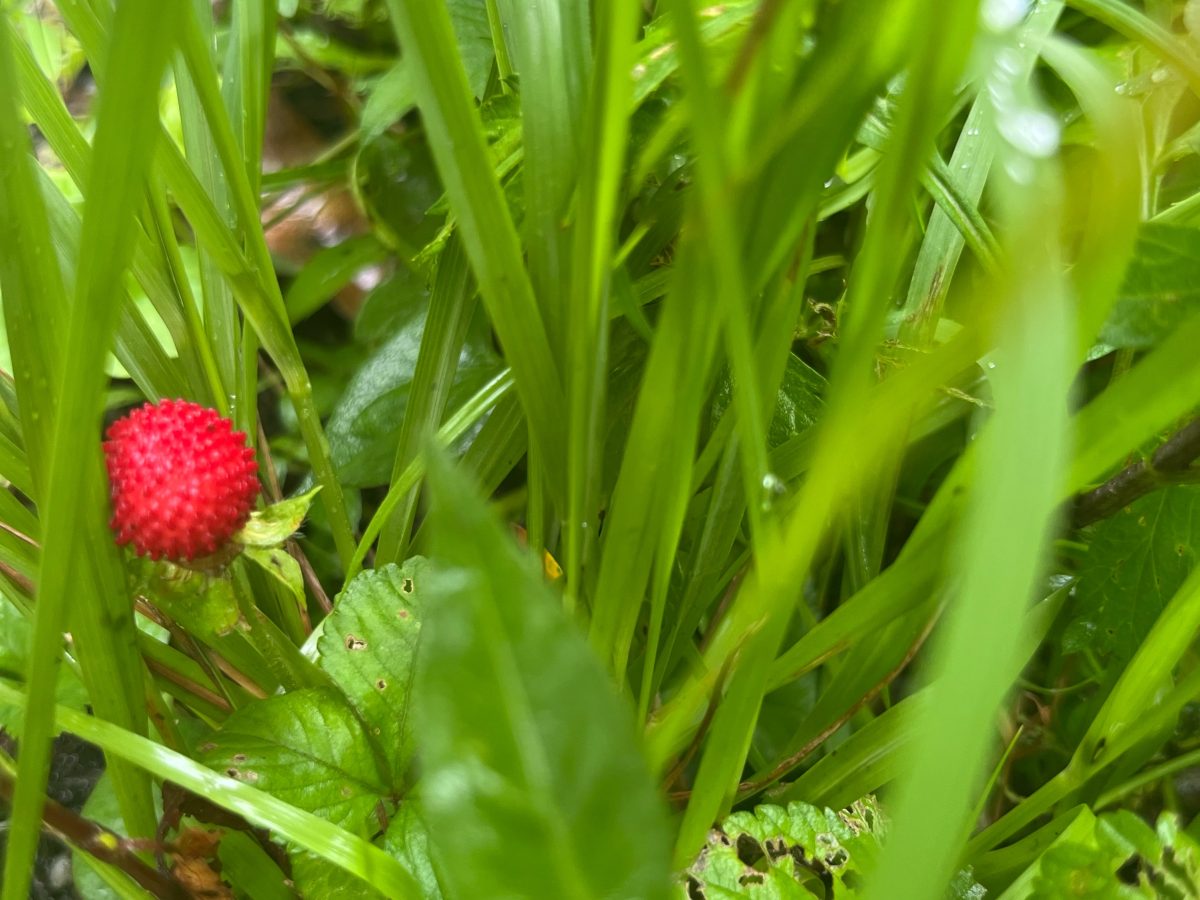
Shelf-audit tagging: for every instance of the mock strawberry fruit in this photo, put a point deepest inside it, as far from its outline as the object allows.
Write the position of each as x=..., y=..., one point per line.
x=183, y=481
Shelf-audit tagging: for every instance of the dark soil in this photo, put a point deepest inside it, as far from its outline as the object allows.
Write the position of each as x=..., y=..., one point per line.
x=74, y=771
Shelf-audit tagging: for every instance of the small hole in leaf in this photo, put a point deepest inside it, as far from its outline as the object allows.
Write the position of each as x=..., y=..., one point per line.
x=381, y=685
x=407, y=585
x=232, y=772
x=1128, y=872
x=749, y=850
x=355, y=643
x=695, y=890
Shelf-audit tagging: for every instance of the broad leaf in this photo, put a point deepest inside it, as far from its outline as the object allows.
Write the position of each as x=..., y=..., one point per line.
x=308, y=749
x=533, y=783
x=797, y=405
x=368, y=645
x=393, y=96
x=366, y=424
x=314, y=877
x=1161, y=287
x=407, y=839
x=397, y=184
x=1138, y=558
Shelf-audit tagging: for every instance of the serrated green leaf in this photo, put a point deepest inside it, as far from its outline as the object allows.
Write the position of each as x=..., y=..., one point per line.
x=307, y=748
x=1136, y=562
x=407, y=839
x=366, y=424
x=368, y=645
x=272, y=526
x=533, y=784
x=1161, y=287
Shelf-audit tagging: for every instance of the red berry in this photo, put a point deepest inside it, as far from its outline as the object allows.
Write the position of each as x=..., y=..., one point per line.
x=183, y=481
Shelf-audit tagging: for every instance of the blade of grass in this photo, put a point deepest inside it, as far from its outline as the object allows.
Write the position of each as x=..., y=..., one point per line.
x=484, y=400
x=606, y=134
x=552, y=59
x=1138, y=27
x=220, y=308
x=161, y=275
x=938, y=53
x=143, y=34
x=245, y=84
x=486, y=226
x=270, y=319
x=997, y=567
x=451, y=307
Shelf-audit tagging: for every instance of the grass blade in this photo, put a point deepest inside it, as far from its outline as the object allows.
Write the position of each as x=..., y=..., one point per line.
x=143, y=34
x=486, y=226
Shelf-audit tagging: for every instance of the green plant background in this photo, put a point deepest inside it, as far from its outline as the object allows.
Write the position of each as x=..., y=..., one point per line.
x=671, y=452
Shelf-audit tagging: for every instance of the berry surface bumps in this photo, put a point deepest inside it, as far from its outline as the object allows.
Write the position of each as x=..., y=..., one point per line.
x=182, y=480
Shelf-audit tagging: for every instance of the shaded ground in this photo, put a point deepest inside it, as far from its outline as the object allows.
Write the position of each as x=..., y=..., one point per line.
x=74, y=771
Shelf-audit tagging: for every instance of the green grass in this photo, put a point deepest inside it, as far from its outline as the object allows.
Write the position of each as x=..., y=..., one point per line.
x=754, y=353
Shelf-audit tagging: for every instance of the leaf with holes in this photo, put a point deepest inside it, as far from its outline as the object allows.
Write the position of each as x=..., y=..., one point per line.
x=306, y=748
x=368, y=645
x=787, y=852
x=778, y=853
x=1114, y=855
x=1137, y=560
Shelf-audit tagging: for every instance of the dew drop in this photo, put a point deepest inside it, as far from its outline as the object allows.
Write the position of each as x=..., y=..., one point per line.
x=1002, y=15
x=1031, y=131
x=773, y=488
